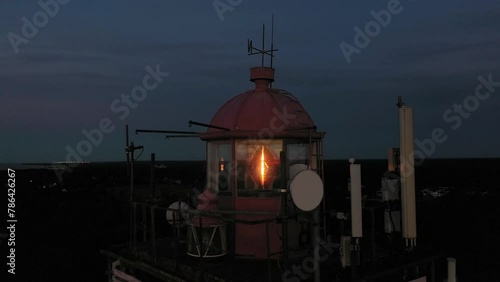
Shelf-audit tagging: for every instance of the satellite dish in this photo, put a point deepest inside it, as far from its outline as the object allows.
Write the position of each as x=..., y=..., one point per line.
x=183, y=207
x=295, y=169
x=306, y=190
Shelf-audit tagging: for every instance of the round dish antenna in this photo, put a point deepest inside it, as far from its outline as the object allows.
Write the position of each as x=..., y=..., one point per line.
x=306, y=190
x=179, y=217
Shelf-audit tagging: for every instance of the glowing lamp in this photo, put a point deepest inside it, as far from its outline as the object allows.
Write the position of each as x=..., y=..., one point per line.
x=221, y=164
x=263, y=167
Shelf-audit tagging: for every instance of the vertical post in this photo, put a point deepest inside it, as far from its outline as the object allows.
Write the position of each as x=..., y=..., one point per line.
x=269, y=277
x=110, y=269
x=132, y=161
x=263, y=39
x=356, y=215
x=131, y=199
x=179, y=215
x=153, y=231
x=152, y=177
x=315, y=239
x=126, y=146
x=356, y=201
x=144, y=223
x=354, y=258
x=200, y=240
x=284, y=226
x=372, y=235
x=284, y=208
x=341, y=217
x=134, y=236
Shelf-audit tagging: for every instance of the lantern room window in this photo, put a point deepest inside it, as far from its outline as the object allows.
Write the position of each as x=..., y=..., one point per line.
x=297, y=154
x=258, y=167
x=219, y=165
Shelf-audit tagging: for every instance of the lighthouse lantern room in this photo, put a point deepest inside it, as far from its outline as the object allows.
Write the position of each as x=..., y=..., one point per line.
x=256, y=143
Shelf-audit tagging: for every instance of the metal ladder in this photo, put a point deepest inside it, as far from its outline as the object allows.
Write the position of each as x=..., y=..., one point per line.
x=316, y=152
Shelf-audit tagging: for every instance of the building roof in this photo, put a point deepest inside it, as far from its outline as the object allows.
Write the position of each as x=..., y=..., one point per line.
x=262, y=110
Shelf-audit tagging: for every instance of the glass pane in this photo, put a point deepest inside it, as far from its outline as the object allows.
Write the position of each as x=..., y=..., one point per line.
x=224, y=163
x=219, y=167
x=297, y=158
x=258, y=167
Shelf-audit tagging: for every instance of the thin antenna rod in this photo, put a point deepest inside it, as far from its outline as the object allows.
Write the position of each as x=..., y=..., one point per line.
x=272, y=45
x=263, y=38
x=263, y=52
x=126, y=149
x=272, y=39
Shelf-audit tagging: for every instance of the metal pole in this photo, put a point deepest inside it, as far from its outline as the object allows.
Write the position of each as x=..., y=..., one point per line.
x=269, y=277
x=200, y=240
x=132, y=174
x=208, y=125
x=354, y=258
x=131, y=199
x=144, y=223
x=284, y=207
x=152, y=178
x=166, y=131
x=341, y=228
x=178, y=214
x=372, y=235
x=284, y=226
x=153, y=232
x=126, y=146
x=263, y=39
x=316, y=237
x=134, y=224
x=110, y=269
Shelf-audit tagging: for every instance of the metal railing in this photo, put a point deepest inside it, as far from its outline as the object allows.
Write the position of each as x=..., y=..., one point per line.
x=178, y=220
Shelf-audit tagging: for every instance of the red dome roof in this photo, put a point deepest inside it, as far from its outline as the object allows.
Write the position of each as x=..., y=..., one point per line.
x=262, y=109
x=254, y=110
x=262, y=113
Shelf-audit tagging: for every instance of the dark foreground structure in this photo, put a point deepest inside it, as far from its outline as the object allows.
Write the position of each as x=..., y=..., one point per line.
x=61, y=233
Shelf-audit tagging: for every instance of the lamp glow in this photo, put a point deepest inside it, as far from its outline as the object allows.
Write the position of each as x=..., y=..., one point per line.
x=221, y=164
x=263, y=167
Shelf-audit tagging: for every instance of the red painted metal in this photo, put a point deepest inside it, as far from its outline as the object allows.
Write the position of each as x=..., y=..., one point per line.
x=251, y=239
x=261, y=109
x=207, y=201
x=123, y=276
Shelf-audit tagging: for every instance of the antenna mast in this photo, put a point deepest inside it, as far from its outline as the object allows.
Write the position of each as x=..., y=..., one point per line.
x=263, y=51
x=272, y=39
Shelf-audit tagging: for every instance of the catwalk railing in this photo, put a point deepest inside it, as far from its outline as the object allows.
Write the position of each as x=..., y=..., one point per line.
x=149, y=227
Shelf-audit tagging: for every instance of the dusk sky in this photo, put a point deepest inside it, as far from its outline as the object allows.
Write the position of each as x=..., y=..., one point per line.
x=64, y=73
